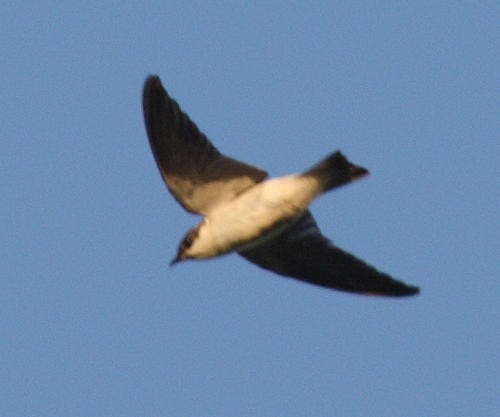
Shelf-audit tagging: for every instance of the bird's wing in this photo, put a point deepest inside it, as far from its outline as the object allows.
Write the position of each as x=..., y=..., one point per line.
x=196, y=173
x=302, y=252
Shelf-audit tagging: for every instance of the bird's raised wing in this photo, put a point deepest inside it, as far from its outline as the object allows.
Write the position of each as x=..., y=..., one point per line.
x=302, y=252
x=196, y=173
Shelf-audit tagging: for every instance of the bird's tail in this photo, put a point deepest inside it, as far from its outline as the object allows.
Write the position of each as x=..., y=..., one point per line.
x=335, y=171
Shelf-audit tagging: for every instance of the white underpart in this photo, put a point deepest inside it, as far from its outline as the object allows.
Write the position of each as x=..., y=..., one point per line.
x=241, y=221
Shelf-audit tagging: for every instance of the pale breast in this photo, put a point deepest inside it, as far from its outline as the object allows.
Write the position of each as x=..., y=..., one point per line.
x=259, y=210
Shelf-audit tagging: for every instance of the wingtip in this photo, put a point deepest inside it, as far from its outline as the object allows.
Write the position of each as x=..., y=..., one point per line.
x=413, y=290
x=402, y=290
x=152, y=84
x=152, y=79
x=410, y=291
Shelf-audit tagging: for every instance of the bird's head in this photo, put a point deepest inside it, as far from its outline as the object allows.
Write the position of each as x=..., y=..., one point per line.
x=194, y=245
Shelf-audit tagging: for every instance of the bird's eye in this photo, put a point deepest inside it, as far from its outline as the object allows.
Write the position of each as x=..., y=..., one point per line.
x=188, y=241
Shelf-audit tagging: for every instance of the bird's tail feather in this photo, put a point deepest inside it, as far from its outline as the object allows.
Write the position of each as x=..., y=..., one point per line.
x=335, y=171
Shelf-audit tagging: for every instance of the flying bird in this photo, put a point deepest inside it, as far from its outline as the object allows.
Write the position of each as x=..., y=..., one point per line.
x=266, y=221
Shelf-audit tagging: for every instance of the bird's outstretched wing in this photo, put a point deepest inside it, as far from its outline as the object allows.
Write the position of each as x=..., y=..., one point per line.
x=302, y=252
x=196, y=173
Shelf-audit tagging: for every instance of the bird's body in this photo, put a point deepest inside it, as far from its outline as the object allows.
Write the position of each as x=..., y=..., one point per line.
x=250, y=216
x=265, y=221
x=254, y=213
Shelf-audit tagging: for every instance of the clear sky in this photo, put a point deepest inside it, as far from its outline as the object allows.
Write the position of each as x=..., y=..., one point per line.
x=93, y=322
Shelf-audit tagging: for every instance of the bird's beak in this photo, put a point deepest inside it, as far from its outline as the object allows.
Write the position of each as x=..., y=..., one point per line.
x=175, y=260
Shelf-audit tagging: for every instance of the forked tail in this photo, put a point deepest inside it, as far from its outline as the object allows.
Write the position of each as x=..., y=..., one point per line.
x=335, y=171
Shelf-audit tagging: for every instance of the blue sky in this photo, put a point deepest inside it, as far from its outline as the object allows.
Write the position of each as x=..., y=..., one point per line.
x=93, y=322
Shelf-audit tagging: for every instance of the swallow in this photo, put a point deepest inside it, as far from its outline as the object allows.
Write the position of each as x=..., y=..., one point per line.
x=266, y=221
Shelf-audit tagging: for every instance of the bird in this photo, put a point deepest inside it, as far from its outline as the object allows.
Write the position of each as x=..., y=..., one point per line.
x=265, y=220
